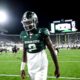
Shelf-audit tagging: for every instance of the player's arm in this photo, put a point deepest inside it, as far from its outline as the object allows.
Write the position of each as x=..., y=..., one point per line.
x=23, y=63
x=53, y=55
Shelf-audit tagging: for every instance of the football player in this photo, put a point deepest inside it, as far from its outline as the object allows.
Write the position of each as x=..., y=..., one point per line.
x=35, y=41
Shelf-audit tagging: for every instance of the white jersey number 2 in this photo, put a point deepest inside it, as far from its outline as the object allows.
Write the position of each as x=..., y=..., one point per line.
x=32, y=47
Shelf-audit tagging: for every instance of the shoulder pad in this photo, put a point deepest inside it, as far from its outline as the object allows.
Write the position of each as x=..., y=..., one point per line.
x=22, y=34
x=45, y=31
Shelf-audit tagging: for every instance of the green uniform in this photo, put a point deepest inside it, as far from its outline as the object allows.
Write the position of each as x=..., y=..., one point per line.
x=34, y=42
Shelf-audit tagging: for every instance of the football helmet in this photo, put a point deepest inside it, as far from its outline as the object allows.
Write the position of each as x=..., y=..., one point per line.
x=29, y=20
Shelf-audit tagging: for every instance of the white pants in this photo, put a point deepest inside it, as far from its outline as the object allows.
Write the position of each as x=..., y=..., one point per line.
x=37, y=65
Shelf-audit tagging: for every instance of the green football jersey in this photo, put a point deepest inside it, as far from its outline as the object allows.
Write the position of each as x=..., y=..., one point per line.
x=34, y=42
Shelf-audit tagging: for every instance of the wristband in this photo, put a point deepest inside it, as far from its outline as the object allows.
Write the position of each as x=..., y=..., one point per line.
x=22, y=65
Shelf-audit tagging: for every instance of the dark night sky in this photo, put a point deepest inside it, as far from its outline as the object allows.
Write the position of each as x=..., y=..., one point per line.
x=46, y=12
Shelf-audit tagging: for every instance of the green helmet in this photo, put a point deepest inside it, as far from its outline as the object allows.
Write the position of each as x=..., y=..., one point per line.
x=29, y=20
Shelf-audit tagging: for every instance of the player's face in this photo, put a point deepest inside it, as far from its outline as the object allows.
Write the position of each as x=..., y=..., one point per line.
x=28, y=24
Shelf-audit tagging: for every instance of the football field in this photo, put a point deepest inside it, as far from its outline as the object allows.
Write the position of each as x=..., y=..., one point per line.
x=69, y=61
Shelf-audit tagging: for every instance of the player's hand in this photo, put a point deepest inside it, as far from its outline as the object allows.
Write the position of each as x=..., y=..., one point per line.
x=23, y=75
x=57, y=73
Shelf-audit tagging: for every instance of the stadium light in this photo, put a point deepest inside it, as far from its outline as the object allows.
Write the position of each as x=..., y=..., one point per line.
x=3, y=16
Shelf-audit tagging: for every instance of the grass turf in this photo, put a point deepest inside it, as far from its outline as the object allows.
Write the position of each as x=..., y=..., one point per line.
x=69, y=61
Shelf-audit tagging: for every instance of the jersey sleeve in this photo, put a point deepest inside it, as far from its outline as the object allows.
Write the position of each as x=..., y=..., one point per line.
x=22, y=35
x=45, y=32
